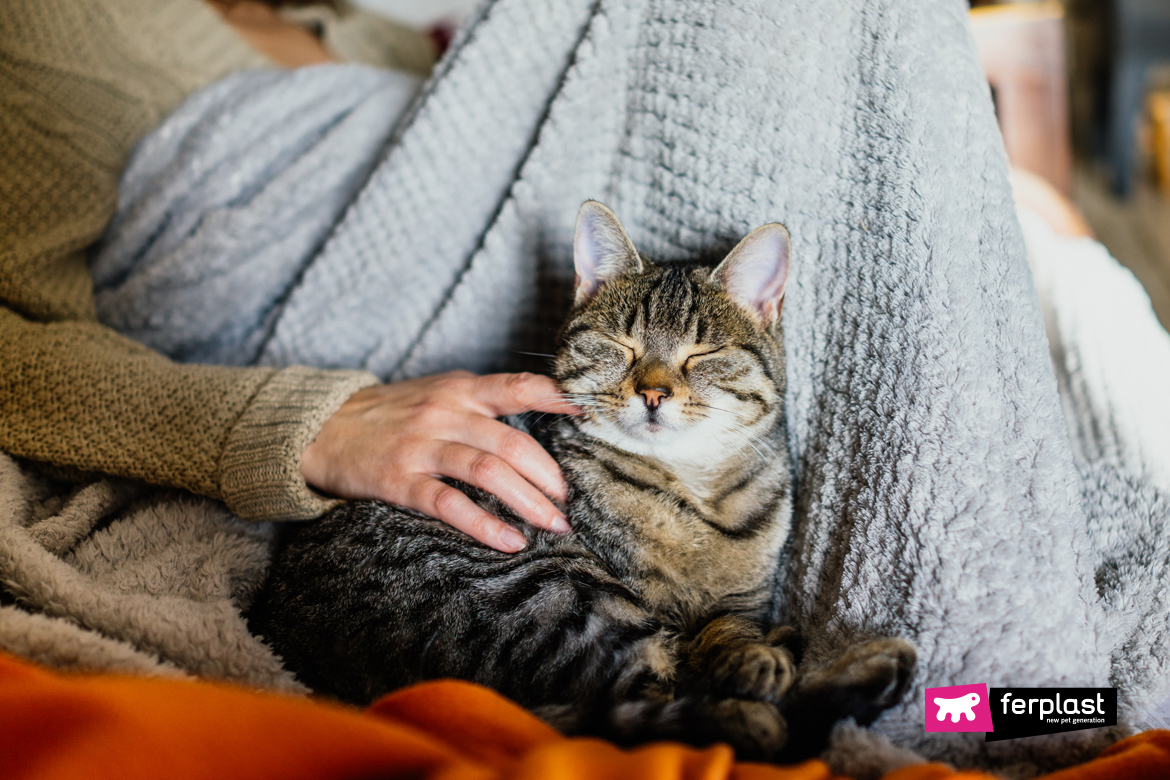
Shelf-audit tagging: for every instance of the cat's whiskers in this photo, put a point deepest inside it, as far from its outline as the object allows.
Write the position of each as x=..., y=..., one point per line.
x=735, y=414
x=594, y=397
x=562, y=398
x=751, y=434
x=595, y=401
x=592, y=405
x=559, y=398
x=741, y=430
x=747, y=441
x=737, y=430
x=753, y=437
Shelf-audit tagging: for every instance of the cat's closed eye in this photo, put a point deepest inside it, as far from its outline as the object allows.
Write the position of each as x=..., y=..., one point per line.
x=632, y=347
x=601, y=353
x=698, y=353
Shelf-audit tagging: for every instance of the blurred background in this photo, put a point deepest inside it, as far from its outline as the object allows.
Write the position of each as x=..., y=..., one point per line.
x=421, y=13
x=1082, y=94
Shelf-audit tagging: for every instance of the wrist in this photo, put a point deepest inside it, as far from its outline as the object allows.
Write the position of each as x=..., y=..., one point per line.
x=260, y=473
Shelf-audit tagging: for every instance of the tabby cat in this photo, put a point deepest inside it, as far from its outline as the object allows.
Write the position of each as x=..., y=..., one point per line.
x=640, y=623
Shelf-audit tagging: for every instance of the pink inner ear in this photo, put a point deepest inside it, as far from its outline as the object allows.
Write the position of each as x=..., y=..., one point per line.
x=586, y=252
x=756, y=271
x=586, y=258
x=584, y=288
x=601, y=249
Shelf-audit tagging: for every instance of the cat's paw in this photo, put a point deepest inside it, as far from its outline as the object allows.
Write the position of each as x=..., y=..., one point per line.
x=877, y=673
x=866, y=680
x=756, y=729
x=752, y=670
x=733, y=658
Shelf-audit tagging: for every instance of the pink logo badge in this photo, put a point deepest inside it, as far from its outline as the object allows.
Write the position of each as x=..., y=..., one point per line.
x=958, y=708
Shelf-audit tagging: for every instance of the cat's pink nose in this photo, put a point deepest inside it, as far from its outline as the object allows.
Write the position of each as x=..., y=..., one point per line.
x=654, y=395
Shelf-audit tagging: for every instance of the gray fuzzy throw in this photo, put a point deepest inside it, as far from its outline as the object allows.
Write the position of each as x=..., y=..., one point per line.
x=951, y=488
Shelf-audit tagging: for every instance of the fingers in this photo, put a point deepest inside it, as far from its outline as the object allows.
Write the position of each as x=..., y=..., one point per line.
x=493, y=474
x=391, y=442
x=503, y=394
x=445, y=503
x=518, y=450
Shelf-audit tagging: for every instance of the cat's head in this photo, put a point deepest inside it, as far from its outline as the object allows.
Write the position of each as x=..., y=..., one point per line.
x=674, y=361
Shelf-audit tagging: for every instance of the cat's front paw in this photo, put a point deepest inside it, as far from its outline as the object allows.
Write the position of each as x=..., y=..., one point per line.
x=752, y=670
x=874, y=676
x=866, y=680
x=733, y=657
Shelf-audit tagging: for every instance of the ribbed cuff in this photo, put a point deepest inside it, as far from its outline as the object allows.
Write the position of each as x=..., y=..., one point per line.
x=260, y=469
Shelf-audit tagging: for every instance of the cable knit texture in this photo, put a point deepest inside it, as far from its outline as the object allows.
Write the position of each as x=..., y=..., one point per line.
x=80, y=82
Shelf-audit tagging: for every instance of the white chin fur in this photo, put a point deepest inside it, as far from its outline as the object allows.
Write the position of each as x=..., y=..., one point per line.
x=706, y=443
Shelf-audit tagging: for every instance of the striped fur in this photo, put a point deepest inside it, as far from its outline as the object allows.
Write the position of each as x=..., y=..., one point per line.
x=640, y=623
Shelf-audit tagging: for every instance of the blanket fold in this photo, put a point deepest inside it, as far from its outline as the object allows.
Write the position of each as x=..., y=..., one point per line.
x=302, y=217
x=123, y=728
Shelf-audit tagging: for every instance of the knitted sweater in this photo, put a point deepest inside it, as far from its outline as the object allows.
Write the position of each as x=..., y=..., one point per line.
x=80, y=82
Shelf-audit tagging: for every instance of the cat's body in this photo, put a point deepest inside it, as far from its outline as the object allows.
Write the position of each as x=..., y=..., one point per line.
x=642, y=621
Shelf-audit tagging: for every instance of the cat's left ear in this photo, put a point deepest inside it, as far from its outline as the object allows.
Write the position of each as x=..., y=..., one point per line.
x=756, y=271
x=602, y=251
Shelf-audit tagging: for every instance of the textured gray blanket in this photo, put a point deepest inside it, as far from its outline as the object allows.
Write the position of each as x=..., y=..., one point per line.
x=293, y=218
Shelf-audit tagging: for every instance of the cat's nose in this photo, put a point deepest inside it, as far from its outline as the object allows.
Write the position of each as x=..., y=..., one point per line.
x=654, y=395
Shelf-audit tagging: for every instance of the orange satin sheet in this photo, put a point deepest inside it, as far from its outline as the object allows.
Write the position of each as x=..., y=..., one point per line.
x=55, y=725
x=1144, y=756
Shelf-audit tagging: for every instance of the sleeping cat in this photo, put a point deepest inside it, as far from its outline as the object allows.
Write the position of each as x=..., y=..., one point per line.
x=642, y=622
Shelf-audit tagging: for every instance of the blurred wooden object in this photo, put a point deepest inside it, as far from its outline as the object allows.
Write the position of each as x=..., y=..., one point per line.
x=1158, y=104
x=1036, y=193
x=1022, y=49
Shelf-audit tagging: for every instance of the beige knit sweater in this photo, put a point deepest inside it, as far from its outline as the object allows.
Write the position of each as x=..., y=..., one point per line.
x=80, y=82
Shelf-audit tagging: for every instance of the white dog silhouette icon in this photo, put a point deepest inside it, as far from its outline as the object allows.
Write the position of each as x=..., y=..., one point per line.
x=953, y=707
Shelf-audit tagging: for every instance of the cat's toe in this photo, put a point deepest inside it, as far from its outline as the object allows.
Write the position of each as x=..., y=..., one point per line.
x=883, y=668
x=872, y=677
x=753, y=670
x=756, y=729
x=787, y=637
x=904, y=658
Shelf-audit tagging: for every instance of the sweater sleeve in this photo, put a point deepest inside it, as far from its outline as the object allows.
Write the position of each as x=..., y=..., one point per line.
x=76, y=394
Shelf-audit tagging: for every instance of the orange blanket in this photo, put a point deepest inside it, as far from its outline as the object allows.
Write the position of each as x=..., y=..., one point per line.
x=56, y=725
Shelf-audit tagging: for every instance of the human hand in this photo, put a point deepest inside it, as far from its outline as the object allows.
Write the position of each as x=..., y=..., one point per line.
x=394, y=442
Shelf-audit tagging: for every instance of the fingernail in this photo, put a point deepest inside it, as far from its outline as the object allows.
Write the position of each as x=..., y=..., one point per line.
x=559, y=524
x=512, y=540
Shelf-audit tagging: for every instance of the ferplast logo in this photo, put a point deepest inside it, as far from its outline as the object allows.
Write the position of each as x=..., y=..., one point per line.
x=958, y=708
x=1011, y=713
x=1027, y=712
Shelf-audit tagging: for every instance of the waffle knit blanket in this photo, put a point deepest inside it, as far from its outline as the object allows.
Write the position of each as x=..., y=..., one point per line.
x=950, y=488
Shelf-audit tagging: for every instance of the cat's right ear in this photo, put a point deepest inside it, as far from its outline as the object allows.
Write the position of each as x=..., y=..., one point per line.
x=755, y=273
x=602, y=251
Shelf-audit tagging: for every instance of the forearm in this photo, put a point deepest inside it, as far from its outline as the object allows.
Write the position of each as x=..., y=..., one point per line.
x=76, y=394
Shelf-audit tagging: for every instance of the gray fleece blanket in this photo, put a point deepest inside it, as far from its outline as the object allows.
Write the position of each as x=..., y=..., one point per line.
x=949, y=488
